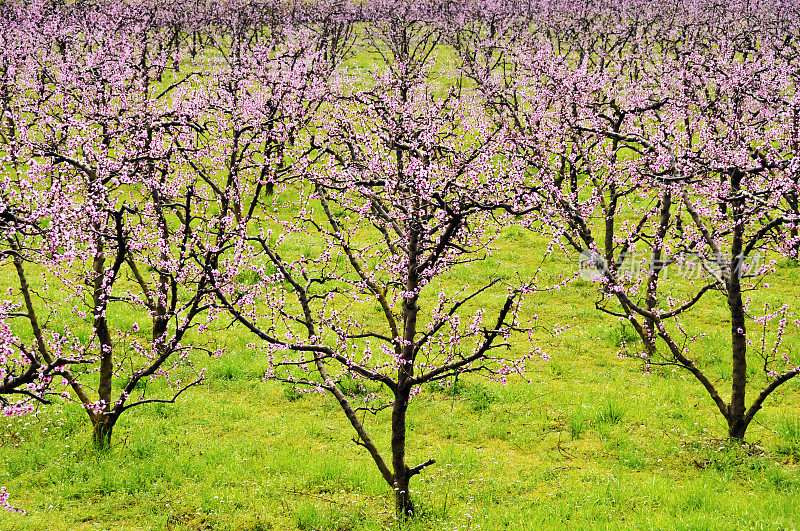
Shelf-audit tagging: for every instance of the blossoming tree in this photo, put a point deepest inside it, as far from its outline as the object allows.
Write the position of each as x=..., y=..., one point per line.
x=97, y=212
x=670, y=143
x=403, y=184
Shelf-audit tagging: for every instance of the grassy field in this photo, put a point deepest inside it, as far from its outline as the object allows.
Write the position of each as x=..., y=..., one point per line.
x=591, y=442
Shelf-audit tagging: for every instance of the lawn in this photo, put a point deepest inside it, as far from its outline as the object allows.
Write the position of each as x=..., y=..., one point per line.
x=592, y=440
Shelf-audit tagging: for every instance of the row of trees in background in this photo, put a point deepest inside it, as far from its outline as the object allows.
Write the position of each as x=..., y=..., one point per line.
x=286, y=168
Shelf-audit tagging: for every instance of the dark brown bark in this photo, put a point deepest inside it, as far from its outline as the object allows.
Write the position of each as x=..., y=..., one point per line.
x=404, y=506
x=736, y=410
x=656, y=265
x=102, y=429
x=403, y=503
x=101, y=327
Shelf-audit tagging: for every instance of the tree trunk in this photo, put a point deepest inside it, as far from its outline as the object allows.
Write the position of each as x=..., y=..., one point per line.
x=103, y=425
x=737, y=427
x=736, y=411
x=403, y=504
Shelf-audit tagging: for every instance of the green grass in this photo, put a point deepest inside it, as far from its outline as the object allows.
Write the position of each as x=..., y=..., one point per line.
x=592, y=441
x=240, y=459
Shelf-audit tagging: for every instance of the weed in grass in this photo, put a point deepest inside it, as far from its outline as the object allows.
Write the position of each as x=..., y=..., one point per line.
x=623, y=334
x=188, y=519
x=143, y=447
x=251, y=277
x=226, y=371
x=353, y=387
x=454, y=388
x=514, y=233
x=782, y=480
x=317, y=429
x=630, y=455
x=610, y=491
x=24, y=460
x=695, y=499
x=236, y=366
x=789, y=433
x=291, y=393
x=430, y=511
x=451, y=429
x=162, y=410
x=258, y=526
x=557, y=368
x=479, y=397
x=729, y=457
x=311, y=517
x=498, y=429
x=581, y=283
x=476, y=395
x=248, y=277
x=612, y=411
x=331, y=475
x=73, y=419
x=576, y=425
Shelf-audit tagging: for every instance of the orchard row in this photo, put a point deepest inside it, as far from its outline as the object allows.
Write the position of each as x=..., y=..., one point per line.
x=313, y=173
